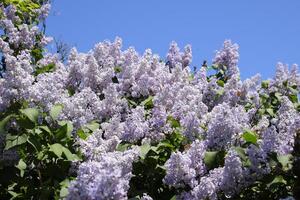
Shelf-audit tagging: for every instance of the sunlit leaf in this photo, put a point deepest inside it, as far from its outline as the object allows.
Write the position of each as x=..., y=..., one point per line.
x=31, y=113
x=55, y=111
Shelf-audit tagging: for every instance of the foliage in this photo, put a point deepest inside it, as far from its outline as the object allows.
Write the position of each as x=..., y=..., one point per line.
x=115, y=124
x=44, y=150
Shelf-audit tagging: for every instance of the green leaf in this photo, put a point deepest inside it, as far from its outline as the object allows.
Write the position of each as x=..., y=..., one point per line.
x=191, y=77
x=14, y=194
x=14, y=140
x=3, y=123
x=70, y=156
x=64, y=189
x=265, y=84
x=261, y=111
x=174, y=123
x=71, y=91
x=37, y=54
x=144, y=149
x=293, y=90
x=118, y=69
x=250, y=136
x=21, y=166
x=278, y=95
x=277, y=180
x=241, y=152
x=173, y=198
x=209, y=158
x=220, y=83
x=55, y=111
x=213, y=159
x=293, y=98
x=286, y=161
x=131, y=102
x=220, y=92
x=65, y=129
x=123, y=147
x=81, y=134
x=94, y=125
x=148, y=103
x=57, y=149
x=44, y=69
x=270, y=112
x=45, y=128
x=115, y=79
x=31, y=113
x=165, y=145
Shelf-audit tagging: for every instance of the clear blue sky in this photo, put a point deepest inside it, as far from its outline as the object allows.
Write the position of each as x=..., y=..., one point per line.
x=267, y=31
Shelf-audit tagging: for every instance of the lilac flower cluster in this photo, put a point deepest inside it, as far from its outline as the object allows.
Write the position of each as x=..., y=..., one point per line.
x=107, y=85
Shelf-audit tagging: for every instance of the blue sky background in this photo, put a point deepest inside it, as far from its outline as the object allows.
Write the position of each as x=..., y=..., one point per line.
x=267, y=31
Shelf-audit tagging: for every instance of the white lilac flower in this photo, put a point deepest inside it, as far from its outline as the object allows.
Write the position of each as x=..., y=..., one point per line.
x=224, y=125
x=107, y=178
x=259, y=163
x=113, y=127
x=135, y=127
x=233, y=174
x=208, y=186
x=177, y=58
x=94, y=146
x=228, y=57
x=49, y=89
x=179, y=171
x=183, y=168
x=80, y=108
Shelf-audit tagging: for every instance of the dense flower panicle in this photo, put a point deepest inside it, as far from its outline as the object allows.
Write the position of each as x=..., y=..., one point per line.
x=259, y=163
x=233, y=175
x=107, y=85
x=107, y=178
x=228, y=57
x=250, y=88
x=112, y=104
x=177, y=58
x=262, y=125
x=107, y=54
x=282, y=73
x=280, y=136
x=17, y=78
x=224, y=125
x=136, y=127
x=94, y=146
x=196, y=154
x=18, y=74
x=287, y=116
x=270, y=140
x=285, y=77
x=159, y=126
x=179, y=171
x=76, y=69
x=81, y=107
x=49, y=89
x=191, y=126
x=208, y=186
x=97, y=77
x=9, y=13
x=114, y=127
x=183, y=168
x=44, y=11
x=4, y=47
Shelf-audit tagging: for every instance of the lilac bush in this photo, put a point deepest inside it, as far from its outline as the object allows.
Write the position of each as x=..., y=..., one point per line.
x=151, y=128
